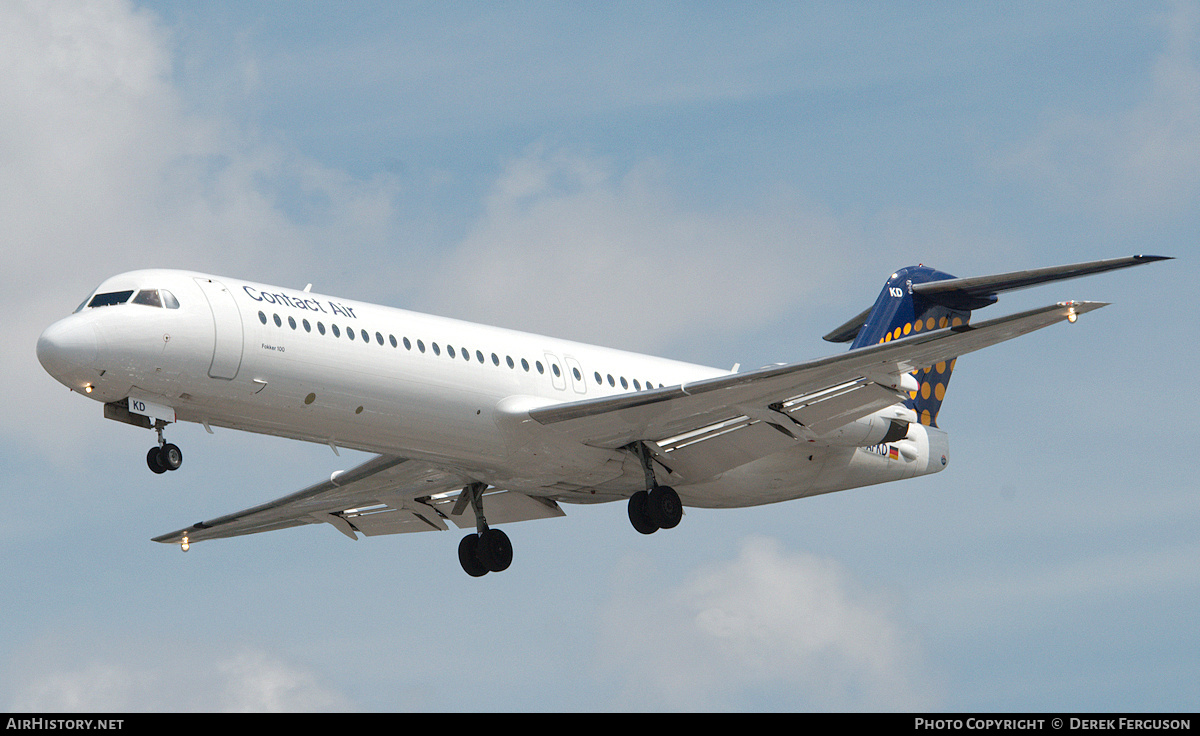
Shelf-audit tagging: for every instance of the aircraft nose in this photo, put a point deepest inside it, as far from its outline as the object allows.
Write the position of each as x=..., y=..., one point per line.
x=66, y=345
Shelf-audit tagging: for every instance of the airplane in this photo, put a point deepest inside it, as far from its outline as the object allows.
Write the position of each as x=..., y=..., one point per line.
x=510, y=425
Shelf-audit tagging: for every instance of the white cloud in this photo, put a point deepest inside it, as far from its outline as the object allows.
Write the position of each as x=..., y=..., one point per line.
x=137, y=679
x=569, y=247
x=791, y=628
x=105, y=168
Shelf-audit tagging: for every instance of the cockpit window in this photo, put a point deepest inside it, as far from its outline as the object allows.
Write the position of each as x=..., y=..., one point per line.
x=156, y=298
x=149, y=297
x=109, y=299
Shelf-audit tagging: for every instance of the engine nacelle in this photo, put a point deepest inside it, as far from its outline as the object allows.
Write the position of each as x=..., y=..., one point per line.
x=867, y=431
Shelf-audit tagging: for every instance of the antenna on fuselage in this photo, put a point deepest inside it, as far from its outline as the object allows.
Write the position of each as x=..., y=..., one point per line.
x=308, y=288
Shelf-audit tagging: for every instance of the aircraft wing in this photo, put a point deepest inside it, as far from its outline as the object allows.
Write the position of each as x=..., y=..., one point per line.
x=385, y=495
x=803, y=399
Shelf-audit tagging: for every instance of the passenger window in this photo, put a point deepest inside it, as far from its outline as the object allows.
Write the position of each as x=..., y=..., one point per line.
x=278, y=322
x=350, y=332
x=554, y=367
x=466, y=355
x=539, y=367
x=509, y=360
x=636, y=386
x=525, y=364
x=365, y=336
x=479, y=355
x=336, y=331
x=379, y=337
x=392, y=340
x=599, y=381
x=321, y=327
x=450, y=351
x=624, y=383
x=307, y=326
x=436, y=349
x=420, y=346
x=495, y=359
x=407, y=344
x=262, y=317
x=292, y=322
x=611, y=382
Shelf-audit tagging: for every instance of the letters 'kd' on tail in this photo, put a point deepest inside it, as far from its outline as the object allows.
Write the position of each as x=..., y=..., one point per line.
x=918, y=299
x=900, y=311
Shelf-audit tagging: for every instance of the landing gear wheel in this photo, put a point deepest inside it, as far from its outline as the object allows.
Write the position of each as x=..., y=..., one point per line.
x=639, y=514
x=664, y=507
x=480, y=554
x=170, y=456
x=488, y=550
x=495, y=551
x=152, y=460
x=468, y=556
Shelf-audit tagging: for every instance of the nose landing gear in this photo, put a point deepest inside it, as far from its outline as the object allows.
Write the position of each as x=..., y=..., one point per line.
x=165, y=456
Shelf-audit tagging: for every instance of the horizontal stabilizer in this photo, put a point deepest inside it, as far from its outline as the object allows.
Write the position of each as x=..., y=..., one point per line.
x=976, y=291
x=980, y=291
x=848, y=331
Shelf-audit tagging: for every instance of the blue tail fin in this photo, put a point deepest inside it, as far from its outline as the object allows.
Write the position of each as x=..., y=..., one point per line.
x=899, y=312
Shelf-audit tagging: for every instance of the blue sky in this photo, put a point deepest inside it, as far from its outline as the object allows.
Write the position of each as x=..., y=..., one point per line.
x=721, y=183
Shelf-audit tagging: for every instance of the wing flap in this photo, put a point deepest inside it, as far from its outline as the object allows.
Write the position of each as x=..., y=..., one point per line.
x=874, y=371
x=362, y=486
x=385, y=495
x=501, y=507
x=718, y=447
x=825, y=410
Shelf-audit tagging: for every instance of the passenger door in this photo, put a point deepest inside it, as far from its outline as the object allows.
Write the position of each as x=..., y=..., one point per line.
x=227, y=324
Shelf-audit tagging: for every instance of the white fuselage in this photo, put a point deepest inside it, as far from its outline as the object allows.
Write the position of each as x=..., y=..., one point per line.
x=349, y=374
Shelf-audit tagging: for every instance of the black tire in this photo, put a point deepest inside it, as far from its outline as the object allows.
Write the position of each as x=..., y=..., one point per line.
x=154, y=462
x=664, y=507
x=170, y=456
x=639, y=514
x=495, y=551
x=468, y=556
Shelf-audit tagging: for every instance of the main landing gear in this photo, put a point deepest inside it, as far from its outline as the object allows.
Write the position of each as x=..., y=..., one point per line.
x=657, y=508
x=487, y=550
x=164, y=456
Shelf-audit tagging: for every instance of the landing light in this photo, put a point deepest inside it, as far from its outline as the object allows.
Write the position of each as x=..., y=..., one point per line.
x=184, y=546
x=87, y=388
x=1071, y=316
